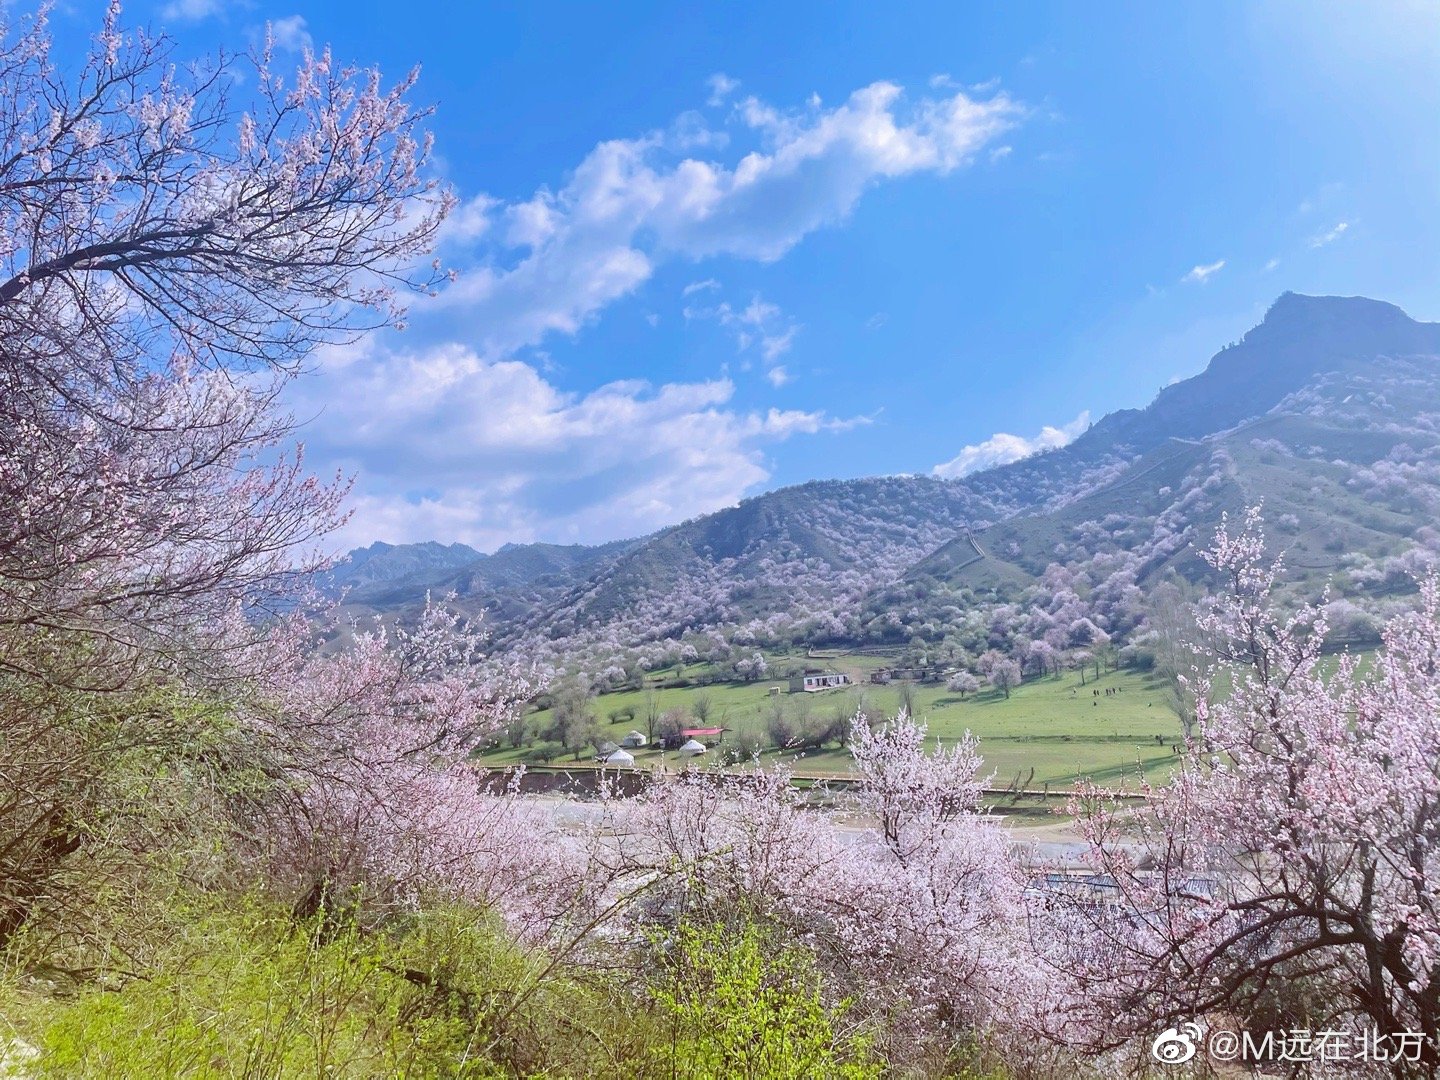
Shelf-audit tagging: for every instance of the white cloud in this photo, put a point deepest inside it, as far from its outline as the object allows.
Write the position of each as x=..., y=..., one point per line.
x=1003, y=448
x=721, y=87
x=465, y=442
x=1202, y=274
x=455, y=447
x=191, y=10
x=1331, y=236
x=759, y=325
x=1000, y=153
x=690, y=132
x=1271, y=265
x=632, y=204
x=470, y=221
x=289, y=34
x=774, y=346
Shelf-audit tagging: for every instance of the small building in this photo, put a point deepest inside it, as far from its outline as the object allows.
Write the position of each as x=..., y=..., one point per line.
x=909, y=674
x=813, y=681
x=634, y=740
x=619, y=759
x=690, y=749
x=1099, y=890
x=605, y=749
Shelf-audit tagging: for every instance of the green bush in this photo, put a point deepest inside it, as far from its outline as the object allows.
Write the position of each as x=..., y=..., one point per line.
x=543, y=753
x=735, y=1005
x=743, y=748
x=245, y=992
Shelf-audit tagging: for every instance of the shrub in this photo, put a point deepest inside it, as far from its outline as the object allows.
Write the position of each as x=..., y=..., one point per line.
x=98, y=792
x=744, y=747
x=739, y=1006
x=246, y=991
x=778, y=727
x=544, y=753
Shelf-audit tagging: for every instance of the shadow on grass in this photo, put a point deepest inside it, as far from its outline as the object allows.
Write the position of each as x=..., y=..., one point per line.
x=1130, y=770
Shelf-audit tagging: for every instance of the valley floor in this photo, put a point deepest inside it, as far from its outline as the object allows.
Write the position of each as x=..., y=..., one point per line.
x=1051, y=731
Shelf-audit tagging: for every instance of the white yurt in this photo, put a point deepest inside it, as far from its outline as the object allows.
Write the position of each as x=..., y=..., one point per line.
x=619, y=759
x=691, y=748
x=634, y=739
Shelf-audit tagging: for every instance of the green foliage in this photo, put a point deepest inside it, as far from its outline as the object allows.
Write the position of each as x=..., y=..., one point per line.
x=241, y=990
x=738, y=1006
x=543, y=753
x=105, y=792
x=245, y=992
x=743, y=748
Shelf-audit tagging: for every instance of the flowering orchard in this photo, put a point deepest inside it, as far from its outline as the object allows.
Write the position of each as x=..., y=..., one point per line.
x=176, y=731
x=1288, y=874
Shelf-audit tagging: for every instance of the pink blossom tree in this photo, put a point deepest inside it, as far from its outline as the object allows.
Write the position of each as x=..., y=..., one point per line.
x=1287, y=875
x=376, y=802
x=168, y=255
x=962, y=683
x=1005, y=676
x=918, y=915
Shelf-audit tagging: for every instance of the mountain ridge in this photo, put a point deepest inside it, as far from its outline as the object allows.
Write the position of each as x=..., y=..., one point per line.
x=814, y=555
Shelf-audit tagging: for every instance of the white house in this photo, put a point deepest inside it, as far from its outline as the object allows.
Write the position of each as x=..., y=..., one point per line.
x=812, y=681
x=619, y=760
x=634, y=740
x=691, y=748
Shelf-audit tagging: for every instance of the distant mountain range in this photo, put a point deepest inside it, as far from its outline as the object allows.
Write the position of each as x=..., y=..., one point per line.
x=385, y=575
x=1329, y=411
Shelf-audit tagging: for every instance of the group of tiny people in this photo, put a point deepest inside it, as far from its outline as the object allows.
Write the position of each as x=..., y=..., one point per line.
x=1111, y=692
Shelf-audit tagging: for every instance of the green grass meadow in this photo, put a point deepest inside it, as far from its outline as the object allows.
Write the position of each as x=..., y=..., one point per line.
x=1053, y=725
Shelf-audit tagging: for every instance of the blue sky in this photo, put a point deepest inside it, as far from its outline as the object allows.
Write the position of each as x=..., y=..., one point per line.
x=704, y=252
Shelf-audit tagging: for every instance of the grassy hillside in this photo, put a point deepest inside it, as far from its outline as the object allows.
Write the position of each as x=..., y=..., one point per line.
x=1316, y=514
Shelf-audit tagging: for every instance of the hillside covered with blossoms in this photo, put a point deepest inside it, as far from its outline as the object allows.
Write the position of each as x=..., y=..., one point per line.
x=1326, y=412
